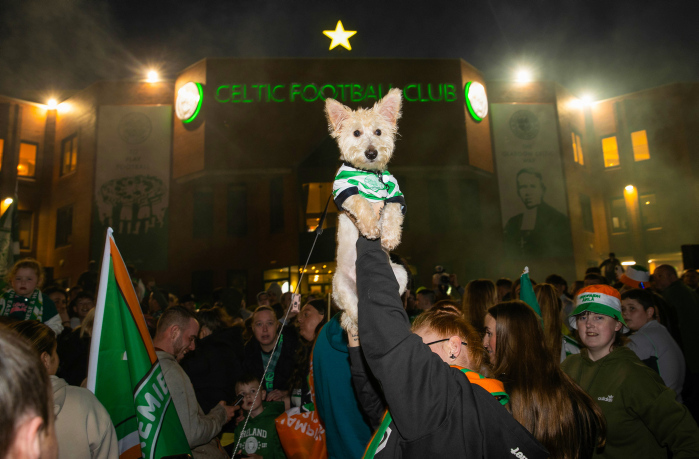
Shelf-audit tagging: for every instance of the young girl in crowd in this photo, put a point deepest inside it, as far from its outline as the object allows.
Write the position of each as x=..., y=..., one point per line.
x=542, y=398
x=643, y=418
x=83, y=426
x=259, y=355
x=24, y=301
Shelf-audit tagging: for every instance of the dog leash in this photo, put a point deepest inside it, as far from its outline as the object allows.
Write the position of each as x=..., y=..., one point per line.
x=318, y=231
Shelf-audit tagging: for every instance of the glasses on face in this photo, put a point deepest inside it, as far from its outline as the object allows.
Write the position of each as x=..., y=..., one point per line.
x=442, y=340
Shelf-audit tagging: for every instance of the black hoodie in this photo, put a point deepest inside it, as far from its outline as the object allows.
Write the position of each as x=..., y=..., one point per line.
x=436, y=411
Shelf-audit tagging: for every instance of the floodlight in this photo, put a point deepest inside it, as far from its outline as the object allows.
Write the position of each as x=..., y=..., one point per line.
x=153, y=76
x=523, y=76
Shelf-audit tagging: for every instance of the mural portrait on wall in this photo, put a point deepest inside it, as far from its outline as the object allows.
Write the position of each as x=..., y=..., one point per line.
x=540, y=230
x=533, y=200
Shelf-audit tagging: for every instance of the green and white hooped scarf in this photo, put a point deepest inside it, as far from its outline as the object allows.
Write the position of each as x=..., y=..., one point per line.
x=273, y=359
x=35, y=305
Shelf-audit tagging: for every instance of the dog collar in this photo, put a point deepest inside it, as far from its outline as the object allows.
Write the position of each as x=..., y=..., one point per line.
x=362, y=170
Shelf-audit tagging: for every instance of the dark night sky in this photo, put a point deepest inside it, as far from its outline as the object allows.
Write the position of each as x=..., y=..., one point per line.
x=604, y=48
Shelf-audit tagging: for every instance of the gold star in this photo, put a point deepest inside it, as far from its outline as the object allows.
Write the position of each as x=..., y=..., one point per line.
x=340, y=36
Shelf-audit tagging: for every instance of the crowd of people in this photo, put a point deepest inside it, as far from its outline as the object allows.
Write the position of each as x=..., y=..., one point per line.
x=608, y=367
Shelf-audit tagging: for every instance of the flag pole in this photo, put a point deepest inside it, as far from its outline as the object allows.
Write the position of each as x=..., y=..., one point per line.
x=99, y=314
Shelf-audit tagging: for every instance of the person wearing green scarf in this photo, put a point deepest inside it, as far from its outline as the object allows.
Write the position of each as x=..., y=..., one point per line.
x=24, y=300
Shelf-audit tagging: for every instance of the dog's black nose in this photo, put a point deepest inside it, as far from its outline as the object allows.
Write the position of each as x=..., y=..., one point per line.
x=371, y=154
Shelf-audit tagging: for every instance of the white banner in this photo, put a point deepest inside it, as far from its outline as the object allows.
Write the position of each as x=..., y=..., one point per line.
x=132, y=178
x=530, y=178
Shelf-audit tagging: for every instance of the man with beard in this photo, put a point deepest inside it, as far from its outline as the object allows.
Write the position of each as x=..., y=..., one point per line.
x=174, y=337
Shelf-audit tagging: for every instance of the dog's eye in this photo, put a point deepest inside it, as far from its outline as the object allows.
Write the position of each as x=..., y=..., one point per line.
x=378, y=132
x=357, y=133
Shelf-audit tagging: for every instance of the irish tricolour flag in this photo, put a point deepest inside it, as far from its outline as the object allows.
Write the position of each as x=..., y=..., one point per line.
x=124, y=372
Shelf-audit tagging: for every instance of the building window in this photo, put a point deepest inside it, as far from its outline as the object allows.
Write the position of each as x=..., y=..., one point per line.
x=237, y=210
x=2, y=151
x=317, y=195
x=27, y=159
x=25, y=220
x=203, y=224
x=578, y=156
x=639, y=140
x=610, y=150
x=69, y=154
x=650, y=213
x=64, y=226
x=276, y=205
x=586, y=211
x=620, y=222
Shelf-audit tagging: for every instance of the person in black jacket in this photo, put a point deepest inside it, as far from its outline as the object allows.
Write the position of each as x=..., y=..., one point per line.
x=258, y=353
x=436, y=411
x=215, y=364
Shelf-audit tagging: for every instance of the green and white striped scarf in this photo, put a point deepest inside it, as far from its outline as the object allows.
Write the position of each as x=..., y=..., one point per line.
x=35, y=305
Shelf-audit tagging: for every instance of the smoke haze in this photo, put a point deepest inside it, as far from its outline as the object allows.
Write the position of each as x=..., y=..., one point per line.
x=604, y=48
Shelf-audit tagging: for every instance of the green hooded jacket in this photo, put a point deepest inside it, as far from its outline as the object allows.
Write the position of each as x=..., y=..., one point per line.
x=642, y=414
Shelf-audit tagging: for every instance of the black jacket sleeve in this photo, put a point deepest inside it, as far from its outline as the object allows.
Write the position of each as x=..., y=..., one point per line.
x=418, y=386
x=367, y=393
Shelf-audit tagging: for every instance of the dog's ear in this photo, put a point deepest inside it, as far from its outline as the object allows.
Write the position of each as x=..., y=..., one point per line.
x=336, y=114
x=389, y=106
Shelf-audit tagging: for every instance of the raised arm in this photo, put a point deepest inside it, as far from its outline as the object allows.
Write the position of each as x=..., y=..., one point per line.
x=418, y=386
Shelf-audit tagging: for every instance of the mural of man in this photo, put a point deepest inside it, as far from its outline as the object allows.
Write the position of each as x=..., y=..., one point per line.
x=540, y=231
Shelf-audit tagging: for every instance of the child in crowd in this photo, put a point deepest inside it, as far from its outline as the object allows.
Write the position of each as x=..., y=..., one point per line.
x=259, y=439
x=24, y=301
x=651, y=341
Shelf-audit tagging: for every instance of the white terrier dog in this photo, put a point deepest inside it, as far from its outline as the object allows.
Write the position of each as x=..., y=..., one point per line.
x=367, y=193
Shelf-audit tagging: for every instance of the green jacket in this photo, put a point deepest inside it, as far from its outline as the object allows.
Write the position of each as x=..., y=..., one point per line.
x=642, y=414
x=260, y=434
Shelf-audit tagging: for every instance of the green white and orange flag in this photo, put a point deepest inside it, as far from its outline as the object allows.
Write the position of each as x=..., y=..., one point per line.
x=124, y=372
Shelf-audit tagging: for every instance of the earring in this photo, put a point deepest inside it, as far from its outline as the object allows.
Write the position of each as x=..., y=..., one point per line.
x=452, y=356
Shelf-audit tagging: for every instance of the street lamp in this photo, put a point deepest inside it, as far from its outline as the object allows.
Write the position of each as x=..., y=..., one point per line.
x=586, y=99
x=152, y=76
x=523, y=76
x=52, y=104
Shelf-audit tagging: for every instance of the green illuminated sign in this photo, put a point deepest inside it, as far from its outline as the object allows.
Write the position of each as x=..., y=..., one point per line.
x=297, y=92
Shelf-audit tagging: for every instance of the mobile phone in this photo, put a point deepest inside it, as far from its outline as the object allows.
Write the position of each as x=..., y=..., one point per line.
x=296, y=302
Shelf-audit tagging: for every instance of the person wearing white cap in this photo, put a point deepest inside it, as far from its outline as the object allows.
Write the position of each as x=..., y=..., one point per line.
x=643, y=417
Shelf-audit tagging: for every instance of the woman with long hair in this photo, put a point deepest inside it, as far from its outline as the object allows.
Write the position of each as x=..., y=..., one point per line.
x=542, y=398
x=83, y=426
x=559, y=345
x=479, y=295
x=309, y=320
